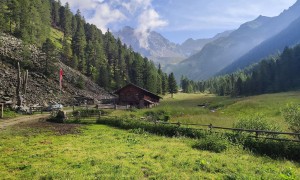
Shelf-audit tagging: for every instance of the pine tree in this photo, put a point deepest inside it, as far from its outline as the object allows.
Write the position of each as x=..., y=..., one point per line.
x=66, y=20
x=50, y=52
x=164, y=83
x=172, y=84
x=3, y=15
x=55, y=6
x=79, y=43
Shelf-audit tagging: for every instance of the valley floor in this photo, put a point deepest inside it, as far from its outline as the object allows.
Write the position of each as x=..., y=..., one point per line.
x=43, y=150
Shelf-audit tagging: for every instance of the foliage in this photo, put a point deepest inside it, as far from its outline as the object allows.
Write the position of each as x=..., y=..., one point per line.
x=100, y=56
x=50, y=57
x=159, y=115
x=8, y=113
x=172, y=84
x=291, y=114
x=272, y=74
x=160, y=129
x=272, y=148
x=89, y=112
x=212, y=143
x=80, y=82
x=255, y=122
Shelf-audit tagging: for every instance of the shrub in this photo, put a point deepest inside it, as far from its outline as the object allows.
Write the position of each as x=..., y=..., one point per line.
x=158, y=115
x=291, y=114
x=80, y=82
x=256, y=122
x=272, y=148
x=212, y=143
x=159, y=129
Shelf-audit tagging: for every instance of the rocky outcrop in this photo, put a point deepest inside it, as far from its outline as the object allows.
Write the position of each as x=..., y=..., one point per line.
x=40, y=89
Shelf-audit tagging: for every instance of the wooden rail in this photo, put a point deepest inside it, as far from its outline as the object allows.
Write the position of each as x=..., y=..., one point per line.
x=257, y=132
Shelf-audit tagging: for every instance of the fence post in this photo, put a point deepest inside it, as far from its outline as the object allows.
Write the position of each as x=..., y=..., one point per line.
x=99, y=115
x=2, y=107
x=210, y=127
x=256, y=134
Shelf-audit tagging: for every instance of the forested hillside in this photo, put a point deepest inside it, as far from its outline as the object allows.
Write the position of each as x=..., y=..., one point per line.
x=100, y=56
x=276, y=44
x=274, y=74
x=219, y=54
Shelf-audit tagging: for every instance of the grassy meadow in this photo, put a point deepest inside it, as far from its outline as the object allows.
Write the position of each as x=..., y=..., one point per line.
x=43, y=150
x=221, y=111
x=39, y=151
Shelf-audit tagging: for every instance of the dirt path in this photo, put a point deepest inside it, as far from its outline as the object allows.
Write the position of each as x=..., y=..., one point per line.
x=9, y=122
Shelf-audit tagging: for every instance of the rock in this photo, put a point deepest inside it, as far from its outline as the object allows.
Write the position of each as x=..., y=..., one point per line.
x=61, y=117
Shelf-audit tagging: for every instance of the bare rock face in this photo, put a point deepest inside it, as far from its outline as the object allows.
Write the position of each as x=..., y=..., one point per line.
x=40, y=89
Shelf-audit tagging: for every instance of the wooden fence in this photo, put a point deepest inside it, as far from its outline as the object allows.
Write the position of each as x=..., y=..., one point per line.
x=272, y=135
x=111, y=106
x=257, y=133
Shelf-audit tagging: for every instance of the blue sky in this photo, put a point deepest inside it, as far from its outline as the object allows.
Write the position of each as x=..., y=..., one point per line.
x=177, y=20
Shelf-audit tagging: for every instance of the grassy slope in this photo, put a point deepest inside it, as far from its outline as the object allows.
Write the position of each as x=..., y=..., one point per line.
x=56, y=37
x=103, y=152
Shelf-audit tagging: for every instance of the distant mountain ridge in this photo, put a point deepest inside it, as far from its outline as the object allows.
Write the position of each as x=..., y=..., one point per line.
x=276, y=44
x=222, y=52
x=160, y=49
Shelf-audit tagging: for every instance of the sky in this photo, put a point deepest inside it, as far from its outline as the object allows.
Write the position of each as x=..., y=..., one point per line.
x=177, y=20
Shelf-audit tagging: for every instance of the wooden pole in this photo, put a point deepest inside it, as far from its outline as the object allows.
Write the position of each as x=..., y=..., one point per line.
x=2, y=107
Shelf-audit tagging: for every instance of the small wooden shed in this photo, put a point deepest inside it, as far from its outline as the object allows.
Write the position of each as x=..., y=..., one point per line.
x=136, y=96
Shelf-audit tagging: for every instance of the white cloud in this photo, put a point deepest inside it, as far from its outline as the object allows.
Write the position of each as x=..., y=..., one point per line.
x=148, y=21
x=104, y=15
x=107, y=12
x=104, y=12
x=134, y=5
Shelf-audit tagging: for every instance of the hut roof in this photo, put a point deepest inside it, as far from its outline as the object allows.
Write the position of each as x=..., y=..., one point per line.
x=145, y=90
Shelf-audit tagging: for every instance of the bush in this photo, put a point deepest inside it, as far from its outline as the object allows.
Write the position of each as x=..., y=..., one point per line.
x=158, y=115
x=274, y=149
x=159, y=129
x=80, y=82
x=291, y=114
x=256, y=122
x=212, y=143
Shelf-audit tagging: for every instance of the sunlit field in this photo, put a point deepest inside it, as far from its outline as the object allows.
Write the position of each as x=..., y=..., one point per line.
x=64, y=151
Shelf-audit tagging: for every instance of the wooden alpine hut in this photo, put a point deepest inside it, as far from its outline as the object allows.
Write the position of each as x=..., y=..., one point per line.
x=135, y=96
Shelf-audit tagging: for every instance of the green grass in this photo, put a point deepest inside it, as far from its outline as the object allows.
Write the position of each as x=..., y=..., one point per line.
x=226, y=111
x=56, y=37
x=101, y=152
x=9, y=114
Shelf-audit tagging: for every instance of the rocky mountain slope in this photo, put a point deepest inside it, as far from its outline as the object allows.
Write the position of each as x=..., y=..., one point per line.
x=222, y=52
x=160, y=49
x=40, y=89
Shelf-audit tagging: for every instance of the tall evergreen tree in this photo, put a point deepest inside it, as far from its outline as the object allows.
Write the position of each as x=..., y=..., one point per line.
x=50, y=52
x=172, y=84
x=66, y=20
x=79, y=43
